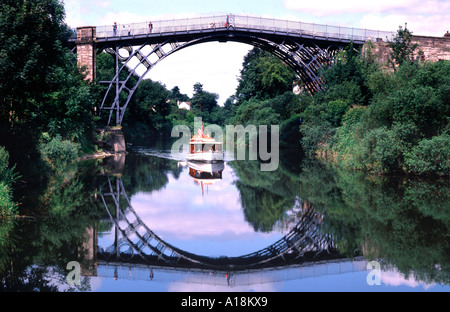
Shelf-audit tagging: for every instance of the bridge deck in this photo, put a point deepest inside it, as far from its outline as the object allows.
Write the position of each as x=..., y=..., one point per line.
x=238, y=23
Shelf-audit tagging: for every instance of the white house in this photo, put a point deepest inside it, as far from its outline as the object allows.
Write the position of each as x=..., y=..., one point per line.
x=184, y=105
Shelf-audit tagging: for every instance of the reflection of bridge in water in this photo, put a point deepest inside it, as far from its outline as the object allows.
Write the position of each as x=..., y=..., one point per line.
x=231, y=277
x=138, y=253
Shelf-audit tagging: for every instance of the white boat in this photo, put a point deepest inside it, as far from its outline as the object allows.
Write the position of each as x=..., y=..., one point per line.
x=204, y=148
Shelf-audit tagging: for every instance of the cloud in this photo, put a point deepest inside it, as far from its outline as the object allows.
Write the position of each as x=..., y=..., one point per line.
x=435, y=25
x=215, y=65
x=395, y=278
x=74, y=14
x=424, y=17
x=332, y=7
x=102, y=4
x=121, y=17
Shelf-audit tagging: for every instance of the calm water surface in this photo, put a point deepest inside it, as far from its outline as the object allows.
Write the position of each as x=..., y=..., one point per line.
x=225, y=228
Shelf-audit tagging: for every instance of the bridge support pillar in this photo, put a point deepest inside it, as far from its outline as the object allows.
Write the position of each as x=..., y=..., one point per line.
x=86, y=54
x=111, y=140
x=118, y=141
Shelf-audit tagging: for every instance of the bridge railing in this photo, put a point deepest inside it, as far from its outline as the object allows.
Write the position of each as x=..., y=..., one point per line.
x=243, y=22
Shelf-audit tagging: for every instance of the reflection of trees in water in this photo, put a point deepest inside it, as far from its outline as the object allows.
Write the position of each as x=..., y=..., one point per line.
x=40, y=245
x=403, y=221
x=136, y=243
x=147, y=174
x=267, y=195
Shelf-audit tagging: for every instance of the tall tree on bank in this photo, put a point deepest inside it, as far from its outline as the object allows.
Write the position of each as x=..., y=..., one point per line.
x=31, y=38
x=41, y=88
x=402, y=50
x=263, y=76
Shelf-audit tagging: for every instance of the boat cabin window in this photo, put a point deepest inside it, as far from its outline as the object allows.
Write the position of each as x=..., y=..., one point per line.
x=208, y=147
x=212, y=147
x=198, y=148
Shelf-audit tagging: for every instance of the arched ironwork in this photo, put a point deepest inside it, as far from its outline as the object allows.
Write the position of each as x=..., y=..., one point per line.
x=305, y=47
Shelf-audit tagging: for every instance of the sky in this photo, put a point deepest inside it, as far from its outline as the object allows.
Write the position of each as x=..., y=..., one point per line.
x=217, y=65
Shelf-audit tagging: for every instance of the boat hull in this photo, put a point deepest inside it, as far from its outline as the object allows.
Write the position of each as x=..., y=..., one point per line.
x=206, y=156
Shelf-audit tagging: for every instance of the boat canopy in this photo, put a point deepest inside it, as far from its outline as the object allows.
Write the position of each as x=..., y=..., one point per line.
x=205, y=142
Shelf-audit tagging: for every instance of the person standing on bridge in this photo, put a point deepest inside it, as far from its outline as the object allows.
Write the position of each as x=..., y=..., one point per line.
x=129, y=30
x=150, y=27
x=115, y=29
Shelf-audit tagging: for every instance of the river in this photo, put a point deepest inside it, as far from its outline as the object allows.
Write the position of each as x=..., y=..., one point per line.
x=147, y=221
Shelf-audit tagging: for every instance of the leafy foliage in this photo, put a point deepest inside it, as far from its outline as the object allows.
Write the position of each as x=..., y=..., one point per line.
x=41, y=88
x=401, y=47
x=379, y=121
x=7, y=177
x=58, y=152
x=263, y=76
x=150, y=106
x=430, y=155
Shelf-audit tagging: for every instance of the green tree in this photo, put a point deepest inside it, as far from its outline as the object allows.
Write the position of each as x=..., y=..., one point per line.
x=7, y=177
x=151, y=105
x=176, y=95
x=32, y=34
x=263, y=76
x=203, y=103
x=41, y=89
x=401, y=47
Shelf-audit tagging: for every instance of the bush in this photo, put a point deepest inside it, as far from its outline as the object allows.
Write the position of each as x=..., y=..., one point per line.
x=378, y=150
x=7, y=174
x=430, y=155
x=348, y=138
x=335, y=111
x=7, y=177
x=58, y=152
x=7, y=206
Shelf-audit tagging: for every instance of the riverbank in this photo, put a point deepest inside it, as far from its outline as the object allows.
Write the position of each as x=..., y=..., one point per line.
x=109, y=141
x=381, y=122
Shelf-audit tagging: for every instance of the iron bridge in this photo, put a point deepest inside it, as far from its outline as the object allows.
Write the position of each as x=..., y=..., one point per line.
x=139, y=47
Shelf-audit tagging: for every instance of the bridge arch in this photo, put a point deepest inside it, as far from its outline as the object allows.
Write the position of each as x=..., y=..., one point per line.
x=136, y=243
x=305, y=47
x=306, y=59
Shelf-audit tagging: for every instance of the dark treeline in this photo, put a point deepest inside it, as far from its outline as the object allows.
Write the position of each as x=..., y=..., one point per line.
x=45, y=105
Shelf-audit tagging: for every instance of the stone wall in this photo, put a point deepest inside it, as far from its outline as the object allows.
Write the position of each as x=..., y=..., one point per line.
x=433, y=48
x=86, y=54
x=429, y=49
